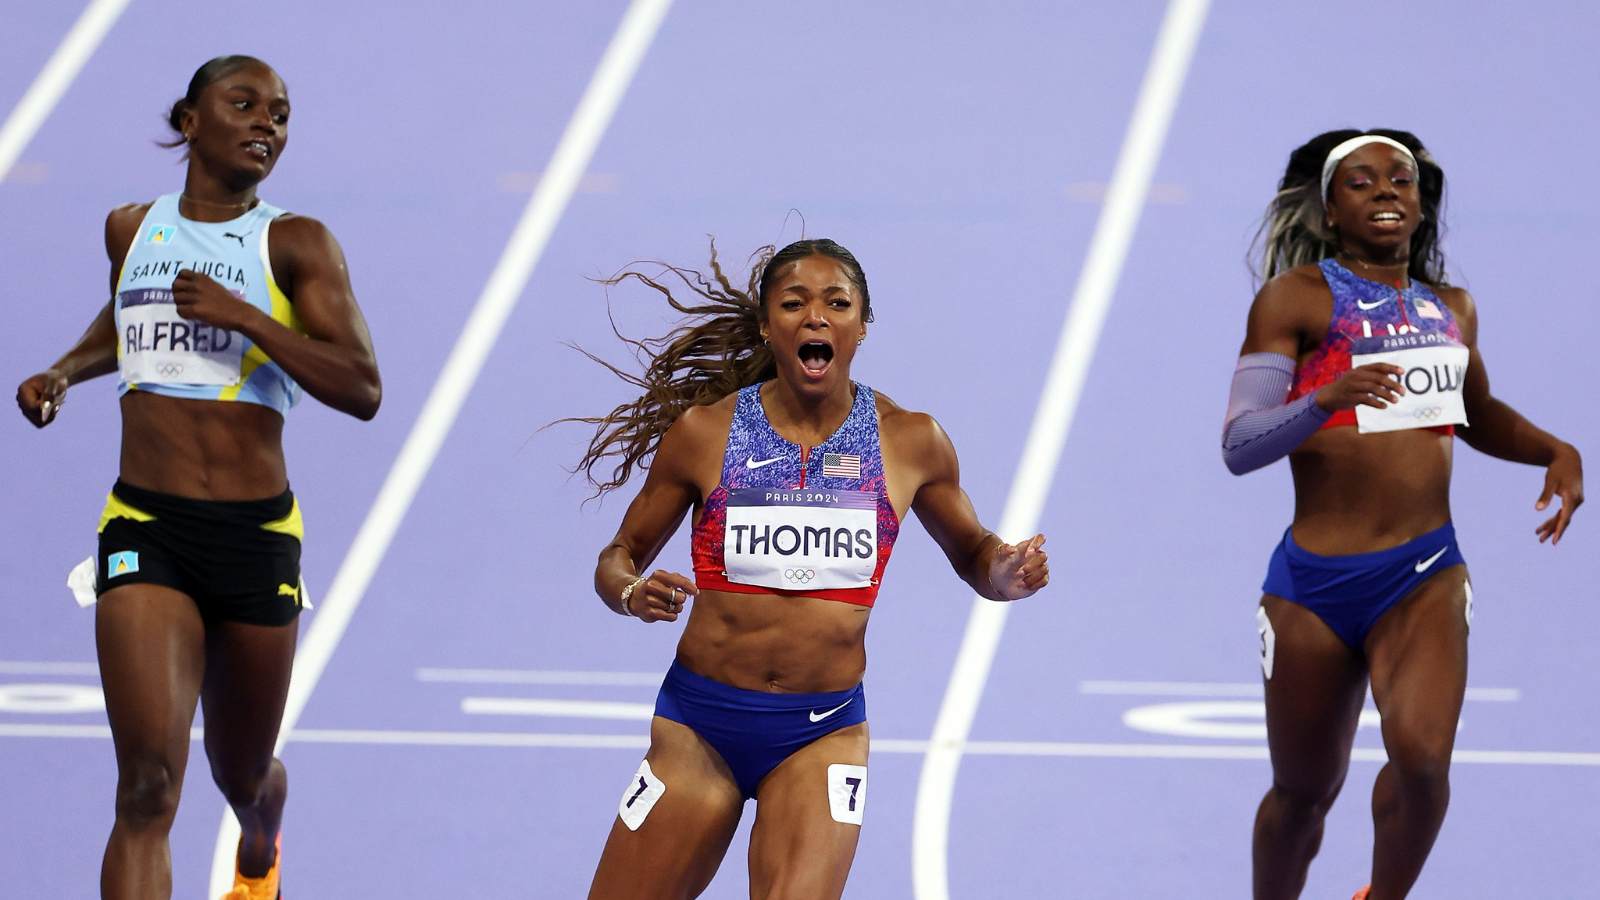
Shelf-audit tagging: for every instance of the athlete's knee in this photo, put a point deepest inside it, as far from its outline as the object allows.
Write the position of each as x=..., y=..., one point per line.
x=242, y=786
x=1421, y=759
x=1306, y=799
x=147, y=791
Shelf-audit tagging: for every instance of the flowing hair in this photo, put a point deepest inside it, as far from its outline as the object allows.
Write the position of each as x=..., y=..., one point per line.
x=1294, y=231
x=714, y=352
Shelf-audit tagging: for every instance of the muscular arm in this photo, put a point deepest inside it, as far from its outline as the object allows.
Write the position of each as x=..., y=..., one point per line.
x=95, y=352
x=1500, y=431
x=669, y=491
x=1494, y=427
x=333, y=360
x=1261, y=427
x=946, y=511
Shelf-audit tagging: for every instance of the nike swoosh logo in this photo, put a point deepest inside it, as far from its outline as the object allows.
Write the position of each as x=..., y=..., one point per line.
x=818, y=717
x=752, y=463
x=1366, y=306
x=1428, y=563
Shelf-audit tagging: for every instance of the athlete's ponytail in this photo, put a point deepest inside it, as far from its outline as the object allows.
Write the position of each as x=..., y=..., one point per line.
x=212, y=70
x=715, y=352
x=1295, y=231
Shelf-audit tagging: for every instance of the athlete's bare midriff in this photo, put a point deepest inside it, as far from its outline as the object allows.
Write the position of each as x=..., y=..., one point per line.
x=202, y=449
x=1356, y=493
x=762, y=642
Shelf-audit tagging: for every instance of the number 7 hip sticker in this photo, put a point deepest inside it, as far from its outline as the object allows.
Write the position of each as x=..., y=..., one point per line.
x=847, y=793
x=640, y=797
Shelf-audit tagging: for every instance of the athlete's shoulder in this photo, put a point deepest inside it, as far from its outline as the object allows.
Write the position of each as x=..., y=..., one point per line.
x=699, y=432
x=1290, y=309
x=1295, y=287
x=1462, y=306
x=121, y=225
x=1457, y=298
x=701, y=426
x=917, y=432
x=301, y=232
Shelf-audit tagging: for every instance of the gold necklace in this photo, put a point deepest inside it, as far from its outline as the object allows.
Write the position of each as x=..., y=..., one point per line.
x=1375, y=267
x=215, y=205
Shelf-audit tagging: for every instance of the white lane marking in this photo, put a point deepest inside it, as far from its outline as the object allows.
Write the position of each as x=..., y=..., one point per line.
x=500, y=294
x=42, y=667
x=22, y=698
x=1080, y=749
x=1244, y=689
x=574, y=709
x=53, y=80
x=1227, y=720
x=539, y=676
x=1058, y=401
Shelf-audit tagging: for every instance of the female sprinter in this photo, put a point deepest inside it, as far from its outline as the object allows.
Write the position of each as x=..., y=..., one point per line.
x=799, y=479
x=1359, y=362
x=213, y=328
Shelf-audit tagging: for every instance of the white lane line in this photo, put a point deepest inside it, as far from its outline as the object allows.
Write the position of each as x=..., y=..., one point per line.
x=54, y=79
x=539, y=676
x=505, y=285
x=574, y=709
x=1058, y=401
x=29, y=667
x=1078, y=749
x=1244, y=689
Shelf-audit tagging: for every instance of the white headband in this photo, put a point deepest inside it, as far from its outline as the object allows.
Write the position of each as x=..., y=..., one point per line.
x=1337, y=154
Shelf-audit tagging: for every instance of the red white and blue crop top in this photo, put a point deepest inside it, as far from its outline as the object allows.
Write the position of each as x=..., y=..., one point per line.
x=798, y=521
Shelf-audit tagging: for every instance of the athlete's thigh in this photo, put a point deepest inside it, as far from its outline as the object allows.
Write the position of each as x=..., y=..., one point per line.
x=675, y=820
x=1417, y=652
x=808, y=818
x=246, y=683
x=151, y=644
x=1314, y=692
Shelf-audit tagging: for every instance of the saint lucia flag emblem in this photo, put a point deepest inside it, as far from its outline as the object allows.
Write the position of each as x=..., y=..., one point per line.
x=160, y=234
x=123, y=562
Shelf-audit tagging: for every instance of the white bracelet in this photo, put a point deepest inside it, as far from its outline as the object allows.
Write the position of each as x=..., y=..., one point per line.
x=627, y=594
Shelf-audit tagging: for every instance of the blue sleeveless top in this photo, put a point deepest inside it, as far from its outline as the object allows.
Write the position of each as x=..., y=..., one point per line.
x=162, y=353
x=1364, y=309
x=798, y=521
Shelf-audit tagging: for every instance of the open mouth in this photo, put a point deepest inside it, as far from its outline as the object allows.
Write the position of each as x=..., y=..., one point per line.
x=258, y=149
x=1386, y=217
x=816, y=357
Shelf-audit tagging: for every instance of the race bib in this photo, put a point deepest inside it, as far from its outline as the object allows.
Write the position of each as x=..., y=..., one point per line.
x=801, y=539
x=1435, y=369
x=161, y=347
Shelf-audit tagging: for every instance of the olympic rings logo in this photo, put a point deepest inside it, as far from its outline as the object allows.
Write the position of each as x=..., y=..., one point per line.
x=1429, y=413
x=170, y=369
x=799, y=576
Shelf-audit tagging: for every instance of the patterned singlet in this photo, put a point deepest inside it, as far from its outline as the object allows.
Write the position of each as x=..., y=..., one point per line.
x=160, y=352
x=1364, y=310
x=798, y=521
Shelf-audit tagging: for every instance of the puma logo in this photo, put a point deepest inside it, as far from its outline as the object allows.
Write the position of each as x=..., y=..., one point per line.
x=238, y=237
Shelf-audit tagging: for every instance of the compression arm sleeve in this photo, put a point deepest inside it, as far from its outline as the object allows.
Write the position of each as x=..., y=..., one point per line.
x=1260, y=427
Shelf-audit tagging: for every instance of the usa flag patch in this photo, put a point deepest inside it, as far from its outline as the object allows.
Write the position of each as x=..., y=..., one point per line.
x=1427, y=310
x=841, y=465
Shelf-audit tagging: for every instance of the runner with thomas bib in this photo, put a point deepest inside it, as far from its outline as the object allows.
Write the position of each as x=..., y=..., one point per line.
x=798, y=478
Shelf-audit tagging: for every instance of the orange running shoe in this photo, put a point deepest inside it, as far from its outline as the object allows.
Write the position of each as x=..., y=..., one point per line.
x=263, y=888
x=1362, y=894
